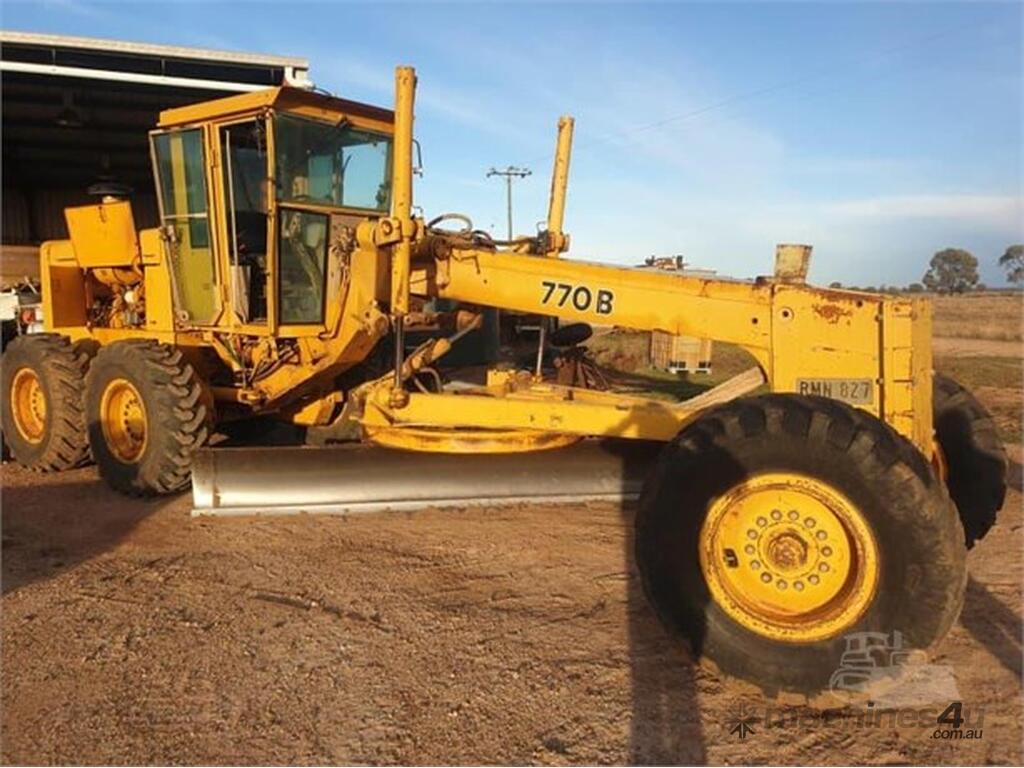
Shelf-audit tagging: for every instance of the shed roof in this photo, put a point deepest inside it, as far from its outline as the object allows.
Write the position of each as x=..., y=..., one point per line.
x=100, y=58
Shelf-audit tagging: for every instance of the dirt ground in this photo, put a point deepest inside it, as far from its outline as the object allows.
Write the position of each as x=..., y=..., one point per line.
x=133, y=633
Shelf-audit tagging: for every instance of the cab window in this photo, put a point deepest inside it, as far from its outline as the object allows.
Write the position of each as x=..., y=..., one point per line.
x=331, y=164
x=302, y=262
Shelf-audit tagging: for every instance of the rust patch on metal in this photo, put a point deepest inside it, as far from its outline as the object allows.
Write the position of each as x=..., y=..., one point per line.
x=831, y=313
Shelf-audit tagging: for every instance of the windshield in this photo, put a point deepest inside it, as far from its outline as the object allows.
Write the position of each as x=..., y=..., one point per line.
x=331, y=164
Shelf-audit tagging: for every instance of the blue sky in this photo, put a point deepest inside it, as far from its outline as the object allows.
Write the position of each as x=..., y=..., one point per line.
x=878, y=132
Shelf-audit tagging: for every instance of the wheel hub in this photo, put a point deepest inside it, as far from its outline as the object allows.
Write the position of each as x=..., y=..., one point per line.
x=789, y=557
x=123, y=418
x=28, y=405
x=786, y=552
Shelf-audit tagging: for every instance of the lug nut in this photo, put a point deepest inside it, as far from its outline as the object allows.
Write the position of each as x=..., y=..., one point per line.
x=826, y=551
x=766, y=577
x=793, y=514
x=821, y=535
x=749, y=549
x=798, y=586
x=781, y=584
x=823, y=567
x=761, y=521
x=751, y=534
x=813, y=578
x=809, y=522
x=756, y=565
x=776, y=514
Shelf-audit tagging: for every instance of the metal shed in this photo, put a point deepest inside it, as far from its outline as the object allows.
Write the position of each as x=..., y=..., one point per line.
x=76, y=112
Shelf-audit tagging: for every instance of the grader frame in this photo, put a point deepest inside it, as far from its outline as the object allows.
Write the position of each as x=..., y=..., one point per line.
x=870, y=350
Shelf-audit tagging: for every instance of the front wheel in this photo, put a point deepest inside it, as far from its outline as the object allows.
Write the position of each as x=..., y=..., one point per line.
x=777, y=528
x=973, y=455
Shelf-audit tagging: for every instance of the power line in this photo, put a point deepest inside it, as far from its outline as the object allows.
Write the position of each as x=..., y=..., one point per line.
x=492, y=317
x=510, y=173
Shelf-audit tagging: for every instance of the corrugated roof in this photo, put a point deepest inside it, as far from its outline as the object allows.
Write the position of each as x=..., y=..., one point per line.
x=151, y=49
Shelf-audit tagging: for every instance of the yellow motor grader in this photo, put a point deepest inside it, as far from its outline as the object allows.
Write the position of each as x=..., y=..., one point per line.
x=826, y=491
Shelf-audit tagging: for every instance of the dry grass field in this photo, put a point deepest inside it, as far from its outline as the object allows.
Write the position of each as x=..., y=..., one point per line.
x=990, y=316
x=134, y=634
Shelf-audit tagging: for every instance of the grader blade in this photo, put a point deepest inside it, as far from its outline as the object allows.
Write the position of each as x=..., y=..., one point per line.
x=355, y=479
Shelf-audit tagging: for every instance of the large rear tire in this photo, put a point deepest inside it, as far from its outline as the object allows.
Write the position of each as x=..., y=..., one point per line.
x=973, y=454
x=775, y=527
x=42, y=415
x=146, y=417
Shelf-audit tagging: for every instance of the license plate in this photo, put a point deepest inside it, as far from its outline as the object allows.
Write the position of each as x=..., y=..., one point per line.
x=852, y=391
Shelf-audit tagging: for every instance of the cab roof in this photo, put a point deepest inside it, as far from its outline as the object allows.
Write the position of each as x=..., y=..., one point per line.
x=284, y=98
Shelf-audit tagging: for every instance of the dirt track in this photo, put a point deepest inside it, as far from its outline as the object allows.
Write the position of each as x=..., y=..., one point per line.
x=134, y=634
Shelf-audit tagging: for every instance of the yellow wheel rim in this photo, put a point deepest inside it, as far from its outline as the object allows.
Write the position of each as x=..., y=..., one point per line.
x=789, y=557
x=28, y=405
x=123, y=417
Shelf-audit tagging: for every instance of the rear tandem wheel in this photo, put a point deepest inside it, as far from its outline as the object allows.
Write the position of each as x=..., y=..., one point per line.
x=43, y=423
x=146, y=417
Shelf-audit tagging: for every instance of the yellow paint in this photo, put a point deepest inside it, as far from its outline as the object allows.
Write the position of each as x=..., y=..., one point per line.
x=315, y=412
x=640, y=299
x=28, y=405
x=62, y=284
x=789, y=557
x=562, y=410
x=295, y=100
x=123, y=420
x=558, y=242
x=103, y=235
x=907, y=369
x=401, y=191
x=157, y=283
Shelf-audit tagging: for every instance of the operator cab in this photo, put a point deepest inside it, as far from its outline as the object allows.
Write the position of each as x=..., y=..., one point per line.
x=283, y=172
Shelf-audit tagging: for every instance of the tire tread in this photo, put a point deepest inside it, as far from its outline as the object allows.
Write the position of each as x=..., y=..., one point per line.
x=63, y=368
x=871, y=448
x=179, y=425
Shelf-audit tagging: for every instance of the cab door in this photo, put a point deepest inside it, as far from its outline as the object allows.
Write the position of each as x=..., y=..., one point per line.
x=179, y=164
x=246, y=224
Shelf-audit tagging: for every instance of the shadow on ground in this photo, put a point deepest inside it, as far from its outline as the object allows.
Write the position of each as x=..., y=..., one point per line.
x=665, y=725
x=50, y=528
x=666, y=718
x=993, y=625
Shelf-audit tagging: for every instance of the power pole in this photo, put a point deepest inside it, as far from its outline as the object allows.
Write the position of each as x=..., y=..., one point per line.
x=492, y=318
x=510, y=173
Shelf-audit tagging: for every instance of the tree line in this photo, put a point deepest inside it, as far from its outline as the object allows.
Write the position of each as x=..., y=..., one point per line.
x=954, y=270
